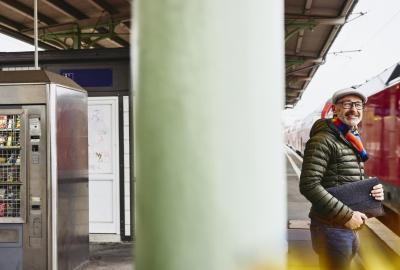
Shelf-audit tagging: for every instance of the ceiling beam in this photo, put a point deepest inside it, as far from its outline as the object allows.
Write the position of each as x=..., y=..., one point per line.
x=303, y=19
x=13, y=28
x=304, y=16
x=317, y=11
x=292, y=94
x=117, y=39
x=105, y=6
x=291, y=53
x=84, y=23
x=300, y=34
x=11, y=24
x=80, y=16
x=299, y=41
x=294, y=89
x=97, y=46
x=307, y=7
x=299, y=78
x=26, y=11
x=348, y=7
x=291, y=72
x=304, y=59
x=127, y=24
x=58, y=8
x=67, y=9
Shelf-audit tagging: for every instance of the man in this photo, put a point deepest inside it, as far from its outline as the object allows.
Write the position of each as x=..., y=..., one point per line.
x=334, y=155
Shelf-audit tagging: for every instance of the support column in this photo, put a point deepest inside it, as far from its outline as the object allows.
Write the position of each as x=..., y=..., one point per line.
x=211, y=191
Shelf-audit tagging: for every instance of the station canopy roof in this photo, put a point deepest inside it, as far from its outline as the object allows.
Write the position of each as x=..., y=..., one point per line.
x=311, y=26
x=66, y=24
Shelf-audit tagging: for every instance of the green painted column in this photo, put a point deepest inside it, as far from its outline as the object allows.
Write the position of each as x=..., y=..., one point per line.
x=210, y=191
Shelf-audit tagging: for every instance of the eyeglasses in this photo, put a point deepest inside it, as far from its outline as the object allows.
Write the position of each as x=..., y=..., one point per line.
x=348, y=105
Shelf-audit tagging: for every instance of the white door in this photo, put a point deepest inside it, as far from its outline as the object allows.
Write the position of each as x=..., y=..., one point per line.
x=103, y=165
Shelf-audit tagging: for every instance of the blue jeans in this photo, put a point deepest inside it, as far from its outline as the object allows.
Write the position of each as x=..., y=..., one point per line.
x=335, y=246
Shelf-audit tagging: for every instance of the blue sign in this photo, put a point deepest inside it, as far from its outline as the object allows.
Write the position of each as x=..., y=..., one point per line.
x=101, y=77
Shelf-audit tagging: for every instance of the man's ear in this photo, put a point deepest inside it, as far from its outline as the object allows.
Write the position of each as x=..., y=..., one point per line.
x=334, y=108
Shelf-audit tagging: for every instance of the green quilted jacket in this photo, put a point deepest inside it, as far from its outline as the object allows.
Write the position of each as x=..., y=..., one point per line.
x=329, y=160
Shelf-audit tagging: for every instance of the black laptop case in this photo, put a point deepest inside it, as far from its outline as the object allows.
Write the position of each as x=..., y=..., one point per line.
x=356, y=195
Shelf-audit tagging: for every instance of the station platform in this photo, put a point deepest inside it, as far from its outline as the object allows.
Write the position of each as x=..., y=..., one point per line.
x=110, y=256
x=380, y=247
x=300, y=252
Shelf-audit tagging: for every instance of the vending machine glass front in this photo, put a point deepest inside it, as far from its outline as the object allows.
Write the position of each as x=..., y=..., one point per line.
x=12, y=180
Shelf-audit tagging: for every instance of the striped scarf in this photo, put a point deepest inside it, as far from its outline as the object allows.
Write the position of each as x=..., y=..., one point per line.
x=352, y=136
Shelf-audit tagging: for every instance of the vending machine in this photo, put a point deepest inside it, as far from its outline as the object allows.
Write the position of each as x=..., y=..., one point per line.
x=43, y=172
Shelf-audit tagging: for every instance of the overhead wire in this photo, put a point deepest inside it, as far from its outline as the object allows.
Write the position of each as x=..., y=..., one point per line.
x=359, y=15
x=390, y=20
x=371, y=37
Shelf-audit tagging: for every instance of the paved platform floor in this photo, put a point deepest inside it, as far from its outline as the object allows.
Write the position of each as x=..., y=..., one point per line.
x=110, y=256
x=119, y=256
x=300, y=253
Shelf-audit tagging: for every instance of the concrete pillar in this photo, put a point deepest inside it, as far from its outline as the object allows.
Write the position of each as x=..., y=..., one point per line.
x=211, y=192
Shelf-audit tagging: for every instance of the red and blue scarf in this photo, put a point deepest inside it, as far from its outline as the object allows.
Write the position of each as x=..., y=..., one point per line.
x=352, y=136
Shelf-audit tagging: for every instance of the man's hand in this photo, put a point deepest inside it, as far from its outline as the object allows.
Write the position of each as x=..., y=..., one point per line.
x=377, y=192
x=356, y=220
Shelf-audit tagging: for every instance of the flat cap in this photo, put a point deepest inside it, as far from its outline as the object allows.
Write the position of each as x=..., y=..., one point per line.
x=346, y=92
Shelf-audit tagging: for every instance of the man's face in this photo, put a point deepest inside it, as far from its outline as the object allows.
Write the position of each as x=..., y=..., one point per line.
x=346, y=110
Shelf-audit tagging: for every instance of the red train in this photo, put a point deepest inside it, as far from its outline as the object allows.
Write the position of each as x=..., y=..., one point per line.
x=380, y=131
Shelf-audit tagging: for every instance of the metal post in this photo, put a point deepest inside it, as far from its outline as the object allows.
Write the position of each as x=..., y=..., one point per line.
x=35, y=27
x=211, y=190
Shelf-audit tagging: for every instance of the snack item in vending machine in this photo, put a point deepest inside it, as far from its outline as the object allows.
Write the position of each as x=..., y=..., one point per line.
x=17, y=141
x=11, y=159
x=18, y=122
x=9, y=210
x=3, y=121
x=10, y=123
x=10, y=177
x=10, y=195
x=9, y=141
x=3, y=140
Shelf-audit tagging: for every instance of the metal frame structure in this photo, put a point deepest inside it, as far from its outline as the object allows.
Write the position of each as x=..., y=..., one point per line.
x=85, y=24
x=310, y=29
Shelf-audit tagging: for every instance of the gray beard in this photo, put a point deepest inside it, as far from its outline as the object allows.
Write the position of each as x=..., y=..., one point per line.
x=352, y=123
